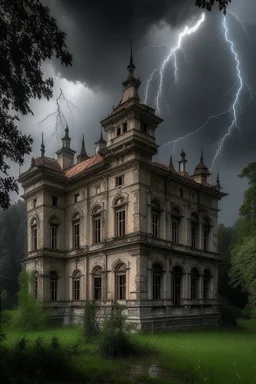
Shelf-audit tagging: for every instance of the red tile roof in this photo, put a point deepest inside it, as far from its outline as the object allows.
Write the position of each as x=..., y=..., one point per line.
x=48, y=163
x=80, y=167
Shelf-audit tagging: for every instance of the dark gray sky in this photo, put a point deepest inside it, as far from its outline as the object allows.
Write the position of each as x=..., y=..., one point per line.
x=99, y=34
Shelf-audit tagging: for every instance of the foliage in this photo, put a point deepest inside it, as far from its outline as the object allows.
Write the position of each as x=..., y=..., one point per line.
x=234, y=295
x=114, y=340
x=229, y=313
x=30, y=313
x=13, y=237
x=208, y=4
x=29, y=36
x=90, y=324
x=248, y=208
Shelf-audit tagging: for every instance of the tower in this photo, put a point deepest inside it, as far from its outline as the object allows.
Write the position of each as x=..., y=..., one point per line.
x=66, y=154
x=131, y=125
x=201, y=172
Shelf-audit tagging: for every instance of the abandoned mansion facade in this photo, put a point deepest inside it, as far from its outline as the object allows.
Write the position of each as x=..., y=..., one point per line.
x=118, y=227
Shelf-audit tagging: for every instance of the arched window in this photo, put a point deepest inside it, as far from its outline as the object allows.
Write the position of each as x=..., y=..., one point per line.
x=97, y=283
x=206, y=285
x=176, y=285
x=194, y=283
x=36, y=285
x=157, y=281
x=76, y=285
x=54, y=223
x=76, y=230
x=120, y=280
x=194, y=230
x=206, y=233
x=120, y=219
x=155, y=219
x=53, y=286
x=175, y=223
x=96, y=225
x=34, y=234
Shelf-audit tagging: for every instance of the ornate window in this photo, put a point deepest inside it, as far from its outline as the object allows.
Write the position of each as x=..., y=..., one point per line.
x=206, y=284
x=54, y=223
x=157, y=281
x=120, y=220
x=120, y=280
x=36, y=285
x=96, y=225
x=206, y=233
x=176, y=285
x=76, y=285
x=34, y=234
x=76, y=231
x=155, y=219
x=97, y=283
x=175, y=222
x=194, y=230
x=194, y=284
x=53, y=286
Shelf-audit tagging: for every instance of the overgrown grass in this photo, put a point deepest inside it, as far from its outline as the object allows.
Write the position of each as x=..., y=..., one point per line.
x=214, y=357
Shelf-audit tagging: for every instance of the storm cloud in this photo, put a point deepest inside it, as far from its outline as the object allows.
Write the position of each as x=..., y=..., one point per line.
x=99, y=35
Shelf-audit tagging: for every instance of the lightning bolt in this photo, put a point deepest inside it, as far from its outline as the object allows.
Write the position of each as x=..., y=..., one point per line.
x=235, y=104
x=172, y=55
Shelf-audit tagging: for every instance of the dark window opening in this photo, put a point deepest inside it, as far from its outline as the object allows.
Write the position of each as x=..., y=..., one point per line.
x=54, y=201
x=76, y=197
x=144, y=127
x=97, y=288
x=124, y=127
x=54, y=230
x=119, y=181
x=118, y=131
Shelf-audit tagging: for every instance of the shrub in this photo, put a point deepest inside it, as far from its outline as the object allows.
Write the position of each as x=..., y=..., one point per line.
x=229, y=313
x=30, y=314
x=114, y=340
x=90, y=324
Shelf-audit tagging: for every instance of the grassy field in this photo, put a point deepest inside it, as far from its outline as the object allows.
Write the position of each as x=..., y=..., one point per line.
x=219, y=356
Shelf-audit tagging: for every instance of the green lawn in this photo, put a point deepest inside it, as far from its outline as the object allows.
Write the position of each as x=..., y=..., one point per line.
x=219, y=357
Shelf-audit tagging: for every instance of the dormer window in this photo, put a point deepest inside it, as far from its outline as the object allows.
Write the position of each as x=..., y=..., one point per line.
x=54, y=201
x=144, y=127
x=118, y=131
x=124, y=127
x=76, y=197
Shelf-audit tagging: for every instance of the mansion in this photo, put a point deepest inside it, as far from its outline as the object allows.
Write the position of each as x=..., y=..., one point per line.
x=119, y=227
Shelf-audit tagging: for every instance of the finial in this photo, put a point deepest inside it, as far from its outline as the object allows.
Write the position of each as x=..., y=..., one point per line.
x=218, y=179
x=32, y=163
x=83, y=150
x=202, y=157
x=170, y=162
x=131, y=66
x=183, y=154
x=66, y=131
x=42, y=146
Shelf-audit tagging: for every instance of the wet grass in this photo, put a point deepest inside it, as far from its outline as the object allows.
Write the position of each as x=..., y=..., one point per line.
x=215, y=357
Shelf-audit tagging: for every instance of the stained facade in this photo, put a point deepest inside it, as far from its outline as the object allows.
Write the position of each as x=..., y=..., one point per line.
x=119, y=227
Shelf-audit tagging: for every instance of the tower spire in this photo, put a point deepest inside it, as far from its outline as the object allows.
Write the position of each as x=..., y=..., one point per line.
x=202, y=156
x=131, y=65
x=42, y=146
x=83, y=155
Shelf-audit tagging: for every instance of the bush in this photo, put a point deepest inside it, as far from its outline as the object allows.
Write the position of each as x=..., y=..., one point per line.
x=30, y=314
x=90, y=324
x=114, y=340
x=229, y=313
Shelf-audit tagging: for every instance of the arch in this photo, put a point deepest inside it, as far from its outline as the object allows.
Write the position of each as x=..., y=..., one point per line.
x=76, y=273
x=160, y=262
x=53, y=274
x=176, y=211
x=207, y=271
x=34, y=221
x=96, y=209
x=53, y=219
x=156, y=204
x=75, y=216
x=120, y=267
x=207, y=221
x=118, y=201
x=115, y=263
x=194, y=217
x=97, y=270
x=178, y=269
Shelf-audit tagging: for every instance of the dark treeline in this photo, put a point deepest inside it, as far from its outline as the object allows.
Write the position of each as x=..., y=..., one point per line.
x=13, y=239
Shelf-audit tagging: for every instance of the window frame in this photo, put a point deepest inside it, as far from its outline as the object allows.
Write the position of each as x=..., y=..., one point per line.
x=76, y=286
x=76, y=223
x=53, y=286
x=177, y=286
x=194, y=284
x=120, y=282
x=155, y=219
x=97, y=289
x=157, y=281
x=206, y=278
x=120, y=217
x=97, y=225
x=76, y=197
x=119, y=181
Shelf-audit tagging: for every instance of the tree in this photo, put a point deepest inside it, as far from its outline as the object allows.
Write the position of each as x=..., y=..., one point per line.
x=243, y=253
x=29, y=36
x=208, y=4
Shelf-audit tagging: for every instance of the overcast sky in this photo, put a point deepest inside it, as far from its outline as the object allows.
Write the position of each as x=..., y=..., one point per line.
x=99, y=34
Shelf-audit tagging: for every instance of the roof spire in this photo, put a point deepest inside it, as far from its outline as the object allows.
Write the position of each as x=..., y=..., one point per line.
x=83, y=155
x=170, y=162
x=131, y=66
x=202, y=156
x=218, y=181
x=42, y=146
